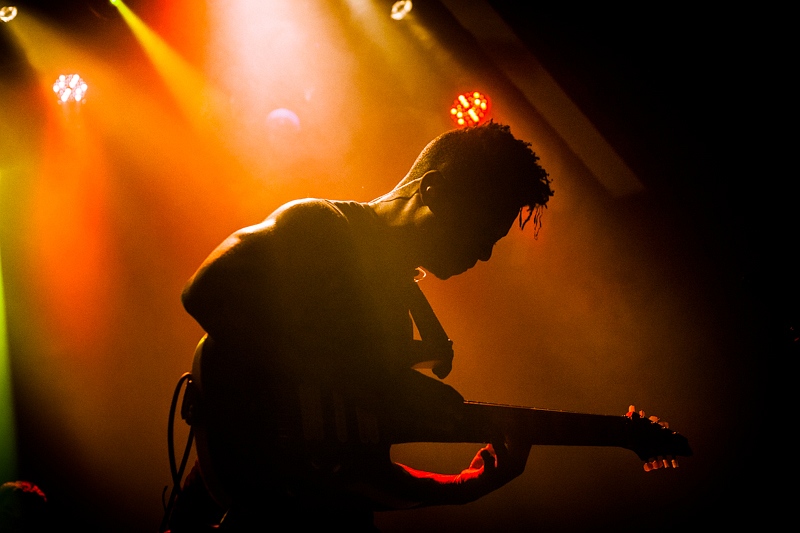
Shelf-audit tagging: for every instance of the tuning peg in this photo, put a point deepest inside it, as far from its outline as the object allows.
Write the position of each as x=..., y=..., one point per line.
x=656, y=420
x=655, y=464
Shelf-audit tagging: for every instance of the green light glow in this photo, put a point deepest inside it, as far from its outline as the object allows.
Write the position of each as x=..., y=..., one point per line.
x=8, y=439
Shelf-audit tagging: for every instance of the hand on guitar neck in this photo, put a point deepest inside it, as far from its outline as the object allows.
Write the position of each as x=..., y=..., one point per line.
x=496, y=464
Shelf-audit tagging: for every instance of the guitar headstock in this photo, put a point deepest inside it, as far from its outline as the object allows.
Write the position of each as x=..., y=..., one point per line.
x=652, y=440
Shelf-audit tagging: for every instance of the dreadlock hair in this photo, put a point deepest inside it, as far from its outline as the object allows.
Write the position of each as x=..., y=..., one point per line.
x=488, y=161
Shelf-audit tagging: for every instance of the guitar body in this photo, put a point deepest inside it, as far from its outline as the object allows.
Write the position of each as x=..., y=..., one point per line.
x=242, y=440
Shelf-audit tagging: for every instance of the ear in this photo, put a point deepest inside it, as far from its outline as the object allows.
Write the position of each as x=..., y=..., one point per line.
x=432, y=189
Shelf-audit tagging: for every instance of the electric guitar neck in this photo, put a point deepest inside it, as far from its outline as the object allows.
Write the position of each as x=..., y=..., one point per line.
x=650, y=438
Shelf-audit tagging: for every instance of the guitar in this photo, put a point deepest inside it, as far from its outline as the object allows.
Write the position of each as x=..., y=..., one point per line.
x=329, y=425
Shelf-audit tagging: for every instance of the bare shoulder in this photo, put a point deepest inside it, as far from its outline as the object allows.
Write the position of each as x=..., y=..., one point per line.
x=299, y=235
x=302, y=243
x=307, y=207
x=307, y=218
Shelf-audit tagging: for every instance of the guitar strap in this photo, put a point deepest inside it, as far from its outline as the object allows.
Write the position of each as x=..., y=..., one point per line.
x=435, y=350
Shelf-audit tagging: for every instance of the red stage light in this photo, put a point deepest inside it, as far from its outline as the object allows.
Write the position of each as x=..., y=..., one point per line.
x=470, y=109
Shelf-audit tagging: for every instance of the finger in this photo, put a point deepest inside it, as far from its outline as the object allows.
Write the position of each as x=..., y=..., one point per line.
x=501, y=447
x=493, y=452
x=500, y=451
x=512, y=456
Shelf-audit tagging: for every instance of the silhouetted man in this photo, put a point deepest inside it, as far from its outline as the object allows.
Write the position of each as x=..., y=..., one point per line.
x=307, y=366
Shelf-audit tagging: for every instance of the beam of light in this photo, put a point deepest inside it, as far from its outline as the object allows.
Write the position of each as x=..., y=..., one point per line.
x=68, y=219
x=188, y=87
x=51, y=54
x=46, y=53
x=122, y=95
x=92, y=181
x=8, y=437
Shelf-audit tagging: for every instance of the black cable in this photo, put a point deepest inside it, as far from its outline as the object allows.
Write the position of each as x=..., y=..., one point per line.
x=177, y=473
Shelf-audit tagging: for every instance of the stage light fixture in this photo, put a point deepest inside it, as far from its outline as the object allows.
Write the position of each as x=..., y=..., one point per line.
x=70, y=87
x=470, y=109
x=7, y=13
x=400, y=9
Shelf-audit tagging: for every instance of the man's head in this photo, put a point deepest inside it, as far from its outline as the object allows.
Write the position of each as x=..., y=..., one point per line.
x=473, y=184
x=487, y=163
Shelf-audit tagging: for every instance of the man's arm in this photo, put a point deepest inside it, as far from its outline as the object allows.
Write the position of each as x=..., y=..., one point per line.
x=425, y=408
x=401, y=487
x=491, y=468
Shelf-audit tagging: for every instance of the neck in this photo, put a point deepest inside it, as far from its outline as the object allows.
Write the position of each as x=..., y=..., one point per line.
x=400, y=213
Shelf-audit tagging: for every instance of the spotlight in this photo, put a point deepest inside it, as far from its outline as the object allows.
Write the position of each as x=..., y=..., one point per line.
x=400, y=9
x=70, y=87
x=469, y=109
x=7, y=13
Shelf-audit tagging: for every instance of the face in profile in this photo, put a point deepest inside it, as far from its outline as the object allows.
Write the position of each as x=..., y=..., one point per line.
x=464, y=233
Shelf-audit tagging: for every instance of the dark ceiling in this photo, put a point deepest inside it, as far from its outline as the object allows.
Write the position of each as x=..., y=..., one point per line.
x=684, y=98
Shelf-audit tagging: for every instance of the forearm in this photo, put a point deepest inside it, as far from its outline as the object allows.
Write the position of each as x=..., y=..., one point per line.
x=492, y=467
x=402, y=487
x=433, y=488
